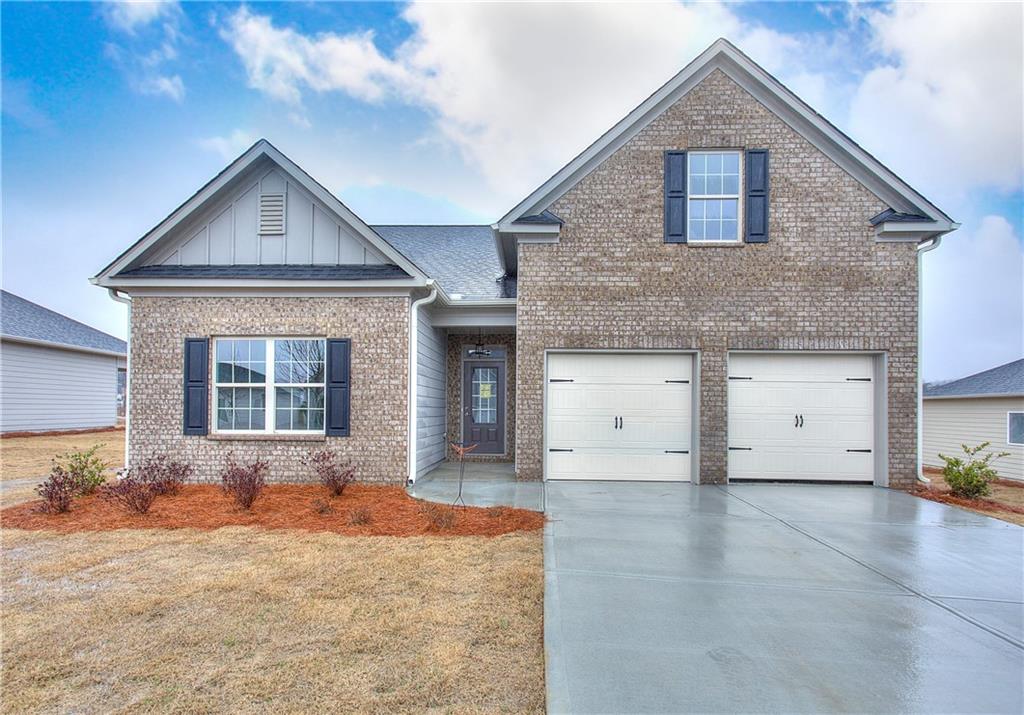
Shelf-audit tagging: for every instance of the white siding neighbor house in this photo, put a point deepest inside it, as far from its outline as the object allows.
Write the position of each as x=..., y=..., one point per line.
x=56, y=373
x=986, y=407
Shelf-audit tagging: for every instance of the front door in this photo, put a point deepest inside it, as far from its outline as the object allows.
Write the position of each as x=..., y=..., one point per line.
x=483, y=406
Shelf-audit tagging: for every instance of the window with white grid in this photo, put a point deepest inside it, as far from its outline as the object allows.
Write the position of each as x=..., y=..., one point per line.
x=713, y=190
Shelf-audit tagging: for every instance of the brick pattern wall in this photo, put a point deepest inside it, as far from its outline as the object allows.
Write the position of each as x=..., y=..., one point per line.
x=455, y=381
x=822, y=282
x=379, y=330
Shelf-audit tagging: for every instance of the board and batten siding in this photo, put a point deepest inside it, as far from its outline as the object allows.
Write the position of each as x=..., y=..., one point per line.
x=948, y=423
x=430, y=394
x=43, y=388
x=228, y=233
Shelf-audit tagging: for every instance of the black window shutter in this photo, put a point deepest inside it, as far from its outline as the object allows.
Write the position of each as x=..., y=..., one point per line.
x=338, y=386
x=675, y=197
x=197, y=352
x=757, y=196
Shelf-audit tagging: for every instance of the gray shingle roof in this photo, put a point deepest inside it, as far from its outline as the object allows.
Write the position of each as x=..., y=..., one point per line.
x=1006, y=379
x=20, y=318
x=271, y=272
x=462, y=259
x=894, y=216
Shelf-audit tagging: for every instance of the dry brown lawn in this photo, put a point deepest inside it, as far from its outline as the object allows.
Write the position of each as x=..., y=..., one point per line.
x=1004, y=493
x=245, y=620
x=24, y=457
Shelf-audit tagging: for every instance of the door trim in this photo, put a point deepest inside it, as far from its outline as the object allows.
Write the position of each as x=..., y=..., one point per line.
x=880, y=418
x=504, y=402
x=695, y=392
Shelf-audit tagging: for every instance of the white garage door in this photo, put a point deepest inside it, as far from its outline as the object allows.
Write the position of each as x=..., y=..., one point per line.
x=618, y=416
x=801, y=416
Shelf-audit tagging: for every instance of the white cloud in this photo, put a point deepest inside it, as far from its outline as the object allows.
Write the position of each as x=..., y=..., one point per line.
x=151, y=35
x=230, y=146
x=946, y=106
x=973, y=313
x=129, y=15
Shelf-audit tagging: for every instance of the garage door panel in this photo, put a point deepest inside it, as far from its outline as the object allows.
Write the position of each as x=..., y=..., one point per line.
x=618, y=465
x=798, y=416
x=619, y=416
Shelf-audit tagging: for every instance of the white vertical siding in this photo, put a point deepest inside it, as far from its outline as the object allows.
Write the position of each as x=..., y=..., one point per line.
x=430, y=394
x=228, y=233
x=51, y=389
x=971, y=421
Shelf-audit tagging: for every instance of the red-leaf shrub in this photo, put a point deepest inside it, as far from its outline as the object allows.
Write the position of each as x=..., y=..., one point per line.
x=163, y=474
x=58, y=490
x=244, y=482
x=132, y=493
x=335, y=477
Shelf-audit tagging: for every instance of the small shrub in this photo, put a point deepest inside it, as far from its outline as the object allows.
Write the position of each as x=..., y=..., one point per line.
x=85, y=468
x=58, y=490
x=163, y=474
x=496, y=512
x=439, y=516
x=321, y=507
x=335, y=477
x=359, y=516
x=968, y=477
x=244, y=482
x=132, y=493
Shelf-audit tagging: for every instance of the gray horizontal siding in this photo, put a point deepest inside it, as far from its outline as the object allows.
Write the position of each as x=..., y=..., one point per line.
x=430, y=395
x=51, y=389
x=948, y=423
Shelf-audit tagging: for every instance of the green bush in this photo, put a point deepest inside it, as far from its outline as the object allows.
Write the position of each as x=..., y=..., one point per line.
x=85, y=468
x=968, y=477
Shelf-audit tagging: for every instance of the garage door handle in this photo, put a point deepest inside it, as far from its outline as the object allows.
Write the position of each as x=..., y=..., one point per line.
x=796, y=420
x=801, y=420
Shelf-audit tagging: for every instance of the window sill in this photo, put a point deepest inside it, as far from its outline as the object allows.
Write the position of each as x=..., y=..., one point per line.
x=225, y=437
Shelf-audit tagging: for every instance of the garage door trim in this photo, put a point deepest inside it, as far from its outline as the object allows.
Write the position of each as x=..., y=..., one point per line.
x=879, y=379
x=694, y=397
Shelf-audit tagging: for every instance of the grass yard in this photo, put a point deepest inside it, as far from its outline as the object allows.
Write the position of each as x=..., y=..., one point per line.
x=242, y=619
x=25, y=457
x=1006, y=501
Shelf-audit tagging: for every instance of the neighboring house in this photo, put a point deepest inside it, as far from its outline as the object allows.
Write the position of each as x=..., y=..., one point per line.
x=56, y=373
x=723, y=286
x=986, y=407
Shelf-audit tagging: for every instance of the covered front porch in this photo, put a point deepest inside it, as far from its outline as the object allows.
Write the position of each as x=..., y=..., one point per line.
x=484, y=484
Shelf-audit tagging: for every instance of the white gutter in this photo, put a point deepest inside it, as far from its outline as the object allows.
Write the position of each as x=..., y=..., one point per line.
x=127, y=375
x=922, y=248
x=414, y=312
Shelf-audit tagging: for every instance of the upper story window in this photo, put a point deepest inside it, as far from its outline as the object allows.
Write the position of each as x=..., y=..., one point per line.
x=269, y=385
x=1015, y=427
x=713, y=188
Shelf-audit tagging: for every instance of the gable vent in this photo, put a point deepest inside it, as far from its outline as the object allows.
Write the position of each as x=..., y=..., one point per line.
x=272, y=214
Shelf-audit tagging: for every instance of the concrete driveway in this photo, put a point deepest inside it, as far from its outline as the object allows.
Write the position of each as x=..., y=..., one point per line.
x=678, y=598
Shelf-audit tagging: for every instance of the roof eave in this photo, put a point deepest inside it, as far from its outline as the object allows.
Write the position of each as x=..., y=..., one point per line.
x=61, y=346
x=976, y=396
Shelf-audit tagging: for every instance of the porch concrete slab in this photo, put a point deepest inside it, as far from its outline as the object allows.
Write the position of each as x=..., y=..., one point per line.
x=485, y=484
x=676, y=598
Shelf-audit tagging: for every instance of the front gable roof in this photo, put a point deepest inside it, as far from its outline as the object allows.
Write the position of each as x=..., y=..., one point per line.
x=127, y=269
x=724, y=56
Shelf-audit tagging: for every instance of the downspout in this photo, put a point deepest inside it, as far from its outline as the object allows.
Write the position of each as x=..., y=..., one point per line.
x=923, y=247
x=414, y=313
x=112, y=292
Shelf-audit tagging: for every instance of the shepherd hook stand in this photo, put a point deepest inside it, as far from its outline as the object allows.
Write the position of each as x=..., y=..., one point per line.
x=462, y=450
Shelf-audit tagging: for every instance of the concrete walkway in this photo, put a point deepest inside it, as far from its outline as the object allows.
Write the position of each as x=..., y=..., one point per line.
x=678, y=598
x=485, y=484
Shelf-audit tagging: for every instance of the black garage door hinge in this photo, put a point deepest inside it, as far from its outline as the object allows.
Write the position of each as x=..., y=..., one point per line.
x=553, y=449
x=742, y=449
x=678, y=382
x=734, y=377
x=868, y=451
x=858, y=379
x=556, y=379
x=677, y=451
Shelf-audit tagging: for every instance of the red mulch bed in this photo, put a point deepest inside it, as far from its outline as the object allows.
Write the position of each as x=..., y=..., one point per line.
x=280, y=506
x=926, y=492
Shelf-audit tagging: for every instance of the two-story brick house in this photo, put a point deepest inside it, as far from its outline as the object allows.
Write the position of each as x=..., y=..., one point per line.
x=722, y=287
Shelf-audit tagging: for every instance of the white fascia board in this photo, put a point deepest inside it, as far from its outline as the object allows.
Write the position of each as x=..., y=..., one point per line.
x=60, y=346
x=253, y=154
x=457, y=317
x=905, y=231
x=766, y=89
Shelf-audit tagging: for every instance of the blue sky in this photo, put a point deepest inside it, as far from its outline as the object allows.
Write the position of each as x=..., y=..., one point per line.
x=115, y=113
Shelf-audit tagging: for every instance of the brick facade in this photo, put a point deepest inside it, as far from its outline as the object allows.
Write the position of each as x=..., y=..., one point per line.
x=822, y=282
x=455, y=381
x=378, y=327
